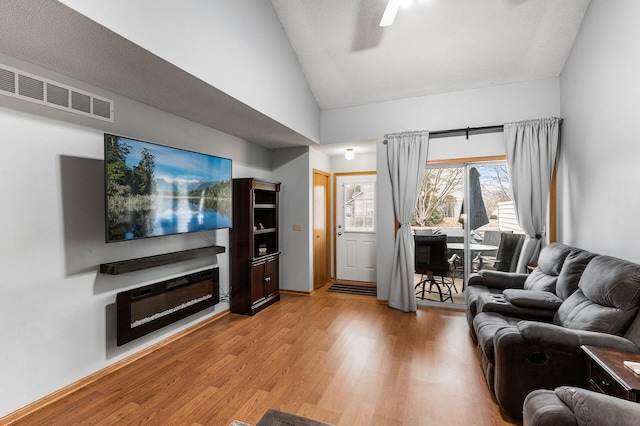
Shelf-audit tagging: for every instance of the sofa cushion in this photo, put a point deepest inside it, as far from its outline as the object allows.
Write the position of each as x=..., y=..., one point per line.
x=550, y=262
x=572, y=269
x=532, y=299
x=607, y=300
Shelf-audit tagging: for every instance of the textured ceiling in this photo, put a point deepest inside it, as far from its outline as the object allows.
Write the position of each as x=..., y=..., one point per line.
x=434, y=46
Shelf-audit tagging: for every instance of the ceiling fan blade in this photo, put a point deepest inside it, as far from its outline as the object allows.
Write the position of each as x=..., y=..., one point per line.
x=390, y=12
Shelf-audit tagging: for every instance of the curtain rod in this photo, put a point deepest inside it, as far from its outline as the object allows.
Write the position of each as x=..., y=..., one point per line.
x=464, y=132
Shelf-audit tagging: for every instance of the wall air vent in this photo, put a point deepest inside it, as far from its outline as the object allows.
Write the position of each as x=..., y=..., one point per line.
x=7, y=81
x=29, y=87
x=58, y=95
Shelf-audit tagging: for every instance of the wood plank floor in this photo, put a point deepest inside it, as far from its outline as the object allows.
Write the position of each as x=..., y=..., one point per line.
x=346, y=361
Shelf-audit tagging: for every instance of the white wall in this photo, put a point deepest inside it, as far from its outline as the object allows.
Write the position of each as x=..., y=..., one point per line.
x=291, y=168
x=58, y=312
x=600, y=101
x=238, y=46
x=363, y=162
x=480, y=107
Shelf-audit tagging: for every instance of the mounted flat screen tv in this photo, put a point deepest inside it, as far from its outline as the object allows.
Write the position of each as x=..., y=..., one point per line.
x=153, y=190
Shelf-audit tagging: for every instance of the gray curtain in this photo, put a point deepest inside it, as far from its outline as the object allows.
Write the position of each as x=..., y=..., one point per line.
x=531, y=154
x=406, y=157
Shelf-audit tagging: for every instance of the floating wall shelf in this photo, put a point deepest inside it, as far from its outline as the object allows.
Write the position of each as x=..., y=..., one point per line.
x=124, y=266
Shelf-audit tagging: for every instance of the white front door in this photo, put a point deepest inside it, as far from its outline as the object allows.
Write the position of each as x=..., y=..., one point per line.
x=356, y=227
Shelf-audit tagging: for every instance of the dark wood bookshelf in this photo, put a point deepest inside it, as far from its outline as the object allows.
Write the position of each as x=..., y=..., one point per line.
x=264, y=231
x=254, y=246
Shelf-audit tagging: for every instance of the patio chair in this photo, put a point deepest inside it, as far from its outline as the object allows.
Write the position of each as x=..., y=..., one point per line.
x=508, y=252
x=491, y=238
x=432, y=261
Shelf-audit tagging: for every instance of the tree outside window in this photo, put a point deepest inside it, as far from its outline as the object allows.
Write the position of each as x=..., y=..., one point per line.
x=442, y=191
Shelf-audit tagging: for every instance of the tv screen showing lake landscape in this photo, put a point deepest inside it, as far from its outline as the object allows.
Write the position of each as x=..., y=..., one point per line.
x=154, y=190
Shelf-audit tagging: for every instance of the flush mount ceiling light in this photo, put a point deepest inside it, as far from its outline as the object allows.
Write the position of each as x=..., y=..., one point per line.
x=390, y=12
x=349, y=155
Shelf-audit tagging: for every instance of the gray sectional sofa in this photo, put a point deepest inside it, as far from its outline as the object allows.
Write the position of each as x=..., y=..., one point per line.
x=529, y=327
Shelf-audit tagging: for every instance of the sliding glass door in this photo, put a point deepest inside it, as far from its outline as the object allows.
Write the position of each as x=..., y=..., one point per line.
x=471, y=203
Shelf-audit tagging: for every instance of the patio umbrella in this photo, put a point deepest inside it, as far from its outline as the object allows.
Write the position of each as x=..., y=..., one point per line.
x=477, y=216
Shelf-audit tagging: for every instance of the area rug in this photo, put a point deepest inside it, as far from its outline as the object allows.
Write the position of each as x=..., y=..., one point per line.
x=353, y=289
x=280, y=418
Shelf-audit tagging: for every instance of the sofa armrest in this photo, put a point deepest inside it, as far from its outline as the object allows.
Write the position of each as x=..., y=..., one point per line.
x=542, y=407
x=497, y=279
x=532, y=299
x=591, y=408
x=567, y=340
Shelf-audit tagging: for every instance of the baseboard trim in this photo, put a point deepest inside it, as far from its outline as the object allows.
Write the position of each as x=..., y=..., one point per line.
x=304, y=293
x=86, y=381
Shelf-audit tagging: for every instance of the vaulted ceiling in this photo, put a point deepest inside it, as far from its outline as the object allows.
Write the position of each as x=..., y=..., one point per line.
x=434, y=46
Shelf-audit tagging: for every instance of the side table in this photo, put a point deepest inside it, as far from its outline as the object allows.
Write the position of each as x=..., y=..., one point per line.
x=607, y=374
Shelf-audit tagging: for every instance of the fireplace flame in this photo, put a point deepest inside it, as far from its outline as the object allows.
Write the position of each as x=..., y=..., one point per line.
x=155, y=316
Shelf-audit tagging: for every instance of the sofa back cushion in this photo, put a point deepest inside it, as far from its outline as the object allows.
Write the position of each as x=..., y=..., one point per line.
x=607, y=300
x=572, y=269
x=550, y=262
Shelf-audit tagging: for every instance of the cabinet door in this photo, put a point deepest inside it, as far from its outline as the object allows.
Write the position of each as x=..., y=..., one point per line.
x=271, y=277
x=257, y=281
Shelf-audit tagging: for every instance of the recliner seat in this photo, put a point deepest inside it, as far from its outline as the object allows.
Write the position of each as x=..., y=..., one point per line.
x=525, y=296
x=519, y=356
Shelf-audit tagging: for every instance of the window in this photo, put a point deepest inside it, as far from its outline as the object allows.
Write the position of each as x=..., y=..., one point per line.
x=441, y=197
x=359, y=205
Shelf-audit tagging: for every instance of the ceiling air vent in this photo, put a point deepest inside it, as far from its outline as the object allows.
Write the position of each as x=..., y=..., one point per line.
x=29, y=87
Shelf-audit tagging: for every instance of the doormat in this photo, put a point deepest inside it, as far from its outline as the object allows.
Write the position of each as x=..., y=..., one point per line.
x=353, y=289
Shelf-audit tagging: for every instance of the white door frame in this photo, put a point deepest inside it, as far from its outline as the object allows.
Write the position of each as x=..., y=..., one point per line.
x=362, y=245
